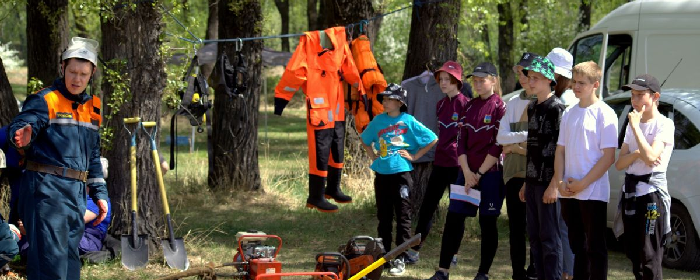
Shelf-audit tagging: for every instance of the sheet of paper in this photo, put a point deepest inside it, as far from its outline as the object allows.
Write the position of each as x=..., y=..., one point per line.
x=457, y=192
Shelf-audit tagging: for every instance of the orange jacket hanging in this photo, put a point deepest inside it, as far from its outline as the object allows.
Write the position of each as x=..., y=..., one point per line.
x=318, y=72
x=372, y=80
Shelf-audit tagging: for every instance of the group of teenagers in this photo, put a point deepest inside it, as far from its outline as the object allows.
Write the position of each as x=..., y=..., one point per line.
x=547, y=158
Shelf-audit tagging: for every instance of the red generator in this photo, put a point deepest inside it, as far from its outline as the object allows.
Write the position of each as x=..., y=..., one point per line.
x=255, y=258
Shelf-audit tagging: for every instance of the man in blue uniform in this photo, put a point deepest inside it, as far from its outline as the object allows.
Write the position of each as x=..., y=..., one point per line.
x=57, y=131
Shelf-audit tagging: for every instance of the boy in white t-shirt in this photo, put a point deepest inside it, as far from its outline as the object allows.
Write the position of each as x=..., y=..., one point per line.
x=645, y=202
x=585, y=151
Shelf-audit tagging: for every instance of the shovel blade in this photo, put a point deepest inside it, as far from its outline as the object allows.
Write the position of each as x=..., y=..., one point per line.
x=134, y=252
x=175, y=254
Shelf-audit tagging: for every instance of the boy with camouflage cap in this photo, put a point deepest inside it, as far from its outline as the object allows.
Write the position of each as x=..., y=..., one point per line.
x=540, y=189
x=399, y=139
x=585, y=151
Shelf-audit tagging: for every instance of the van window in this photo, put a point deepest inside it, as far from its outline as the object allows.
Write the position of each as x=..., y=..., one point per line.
x=587, y=48
x=617, y=63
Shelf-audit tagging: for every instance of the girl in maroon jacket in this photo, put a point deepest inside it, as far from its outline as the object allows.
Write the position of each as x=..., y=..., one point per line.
x=445, y=165
x=479, y=158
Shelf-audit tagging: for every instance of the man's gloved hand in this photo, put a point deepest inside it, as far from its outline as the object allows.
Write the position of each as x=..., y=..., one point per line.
x=102, y=204
x=23, y=136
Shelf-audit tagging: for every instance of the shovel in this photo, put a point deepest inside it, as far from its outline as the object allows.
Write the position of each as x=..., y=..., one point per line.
x=134, y=245
x=389, y=256
x=173, y=248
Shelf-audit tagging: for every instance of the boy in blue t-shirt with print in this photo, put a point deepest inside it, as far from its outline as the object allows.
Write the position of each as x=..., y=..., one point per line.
x=399, y=139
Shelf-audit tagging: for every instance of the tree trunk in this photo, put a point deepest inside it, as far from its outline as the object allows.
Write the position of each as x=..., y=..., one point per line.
x=283, y=8
x=145, y=80
x=234, y=135
x=9, y=108
x=312, y=14
x=47, y=37
x=585, y=14
x=212, y=32
x=433, y=37
x=344, y=12
x=505, y=47
x=432, y=41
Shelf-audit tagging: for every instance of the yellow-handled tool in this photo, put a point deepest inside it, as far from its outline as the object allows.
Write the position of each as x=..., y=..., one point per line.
x=415, y=240
x=134, y=245
x=173, y=248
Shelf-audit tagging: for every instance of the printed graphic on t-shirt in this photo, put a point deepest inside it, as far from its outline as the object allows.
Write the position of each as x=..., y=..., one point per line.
x=391, y=139
x=543, y=132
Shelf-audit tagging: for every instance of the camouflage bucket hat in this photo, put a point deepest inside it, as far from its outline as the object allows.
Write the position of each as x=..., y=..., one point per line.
x=543, y=66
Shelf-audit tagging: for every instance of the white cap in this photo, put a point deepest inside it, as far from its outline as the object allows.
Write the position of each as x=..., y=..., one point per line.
x=82, y=48
x=563, y=61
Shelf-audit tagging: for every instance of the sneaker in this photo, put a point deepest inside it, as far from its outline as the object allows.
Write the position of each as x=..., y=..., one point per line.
x=531, y=273
x=481, y=276
x=411, y=257
x=439, y=275
x=398, y=267
x=454, y=261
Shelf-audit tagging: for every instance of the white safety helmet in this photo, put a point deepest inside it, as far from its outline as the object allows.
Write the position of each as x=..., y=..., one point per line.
x=82, y=48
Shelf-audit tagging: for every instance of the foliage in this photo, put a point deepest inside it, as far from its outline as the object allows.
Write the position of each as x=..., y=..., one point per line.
x=9, y=57
x=34, y=85
x=115, y=75
x=13, y=25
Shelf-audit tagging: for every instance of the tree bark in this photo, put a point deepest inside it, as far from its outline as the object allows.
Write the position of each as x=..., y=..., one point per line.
x=235, y=121
x=585, y=15
x=47, y=37
x=312, y=14
x=433, y=37
x=146, y=78
x=344, y=12
x=9, y=108
x=283, y=8
x=505, y=47
x=432, y=41
x=212, y=32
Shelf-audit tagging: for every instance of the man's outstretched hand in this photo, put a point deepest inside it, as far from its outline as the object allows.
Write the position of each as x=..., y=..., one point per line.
x=102, y=204
x=23, y=136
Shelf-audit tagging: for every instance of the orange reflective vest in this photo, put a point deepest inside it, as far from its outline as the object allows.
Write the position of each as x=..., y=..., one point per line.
x=372, y=80
x=319, y=72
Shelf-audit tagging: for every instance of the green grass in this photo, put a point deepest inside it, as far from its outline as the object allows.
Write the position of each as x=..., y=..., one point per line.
x=209, y=221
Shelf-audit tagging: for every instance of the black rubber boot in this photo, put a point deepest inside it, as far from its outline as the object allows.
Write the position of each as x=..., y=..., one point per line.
x=333, y=190
x=316, y=200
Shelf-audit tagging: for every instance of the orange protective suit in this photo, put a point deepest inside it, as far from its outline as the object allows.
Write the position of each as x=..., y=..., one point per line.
x=372, y=80
x=319, y=72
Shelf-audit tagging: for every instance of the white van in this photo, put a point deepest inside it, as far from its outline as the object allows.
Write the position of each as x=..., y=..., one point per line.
x=649, y=36
x=653, y=36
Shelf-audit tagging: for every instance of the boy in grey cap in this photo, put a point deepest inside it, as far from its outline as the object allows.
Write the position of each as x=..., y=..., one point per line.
x=645, y=203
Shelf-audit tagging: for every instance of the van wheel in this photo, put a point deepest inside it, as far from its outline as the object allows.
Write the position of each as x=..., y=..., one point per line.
x=682, y=247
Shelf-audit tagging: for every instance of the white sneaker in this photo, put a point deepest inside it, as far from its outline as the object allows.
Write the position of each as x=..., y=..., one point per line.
x=398, y=267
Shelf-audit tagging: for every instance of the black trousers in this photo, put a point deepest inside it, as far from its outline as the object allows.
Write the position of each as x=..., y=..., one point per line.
x=516, y=223
x=389, y=203
x=544, y=233
x=586, y=220
x=454, y=232
x=440, y=179
x=644, y=236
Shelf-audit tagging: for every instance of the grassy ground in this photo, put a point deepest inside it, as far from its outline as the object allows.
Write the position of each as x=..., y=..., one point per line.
x=209, y=221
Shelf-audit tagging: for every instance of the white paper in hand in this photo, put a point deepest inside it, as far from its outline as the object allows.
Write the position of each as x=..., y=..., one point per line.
x=458, y=192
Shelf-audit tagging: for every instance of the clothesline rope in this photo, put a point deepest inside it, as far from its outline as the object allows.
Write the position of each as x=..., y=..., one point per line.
x=362, y=23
